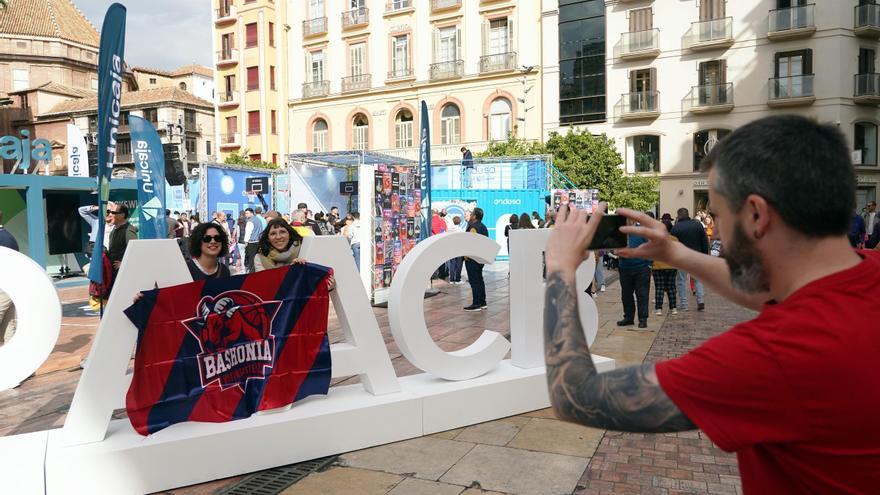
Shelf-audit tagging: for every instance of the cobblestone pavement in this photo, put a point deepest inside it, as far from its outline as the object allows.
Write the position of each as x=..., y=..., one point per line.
x=676, y=462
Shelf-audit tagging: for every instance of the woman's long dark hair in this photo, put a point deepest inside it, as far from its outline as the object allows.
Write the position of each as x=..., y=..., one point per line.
x=195, y=239
x=265, y=246
x=525, y=221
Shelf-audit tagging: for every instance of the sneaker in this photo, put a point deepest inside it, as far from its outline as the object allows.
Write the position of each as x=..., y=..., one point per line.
x=625, y=323
x=473, y=307
x=674, y=311
x=643, y=324
x=602, y=289
x=701, y=306
x=595, y=295
x=659, y=312
x=484, y=307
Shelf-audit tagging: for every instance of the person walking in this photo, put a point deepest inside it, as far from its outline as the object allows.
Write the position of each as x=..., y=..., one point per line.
x=635, y=280
x=252, y=233
x=692, y=235
x=467, y=167
x=454, y=265
x=7, y=309
x=355, y=238
x=474, y=268
x=664, y=281
x=857, y=231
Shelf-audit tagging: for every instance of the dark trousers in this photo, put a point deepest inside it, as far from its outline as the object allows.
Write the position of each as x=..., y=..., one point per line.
x=664, y=283
x=250, y=252
x=636, y=282
x=475, y=278
x=454, y=265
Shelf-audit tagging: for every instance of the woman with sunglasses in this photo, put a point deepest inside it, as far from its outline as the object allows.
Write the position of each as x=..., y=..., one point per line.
x=207, y=244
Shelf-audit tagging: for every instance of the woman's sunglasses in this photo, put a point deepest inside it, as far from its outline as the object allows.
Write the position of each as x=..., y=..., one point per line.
x=215, y=238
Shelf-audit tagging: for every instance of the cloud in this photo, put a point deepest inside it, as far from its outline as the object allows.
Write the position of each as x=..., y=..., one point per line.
x=162, y=34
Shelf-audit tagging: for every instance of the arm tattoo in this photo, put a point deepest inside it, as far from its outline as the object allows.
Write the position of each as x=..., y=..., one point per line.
x=628, y=399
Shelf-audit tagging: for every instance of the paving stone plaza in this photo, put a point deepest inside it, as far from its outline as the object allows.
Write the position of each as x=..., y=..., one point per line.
x=533, y=453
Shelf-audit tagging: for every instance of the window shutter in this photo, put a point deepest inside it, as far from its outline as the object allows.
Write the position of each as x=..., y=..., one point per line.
x=723, y=78
x=652, y=82
x=436, y=45
x=632, y=81
x=510, y=47
x=808, y=61
x=486, y=27
x=776, y=57
x=458, y=53
x=251, y=32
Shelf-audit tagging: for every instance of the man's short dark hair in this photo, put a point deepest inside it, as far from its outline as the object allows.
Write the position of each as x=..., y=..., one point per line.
x=682, y=214
x=356, y=215
x=121, y=208
x=199, y=231
x=302, y=206
x=334, y=208
x=799, y=166
x=463, y=149
x=249, y=209
x=259, y=210
x=167, y=213
x=478, y=214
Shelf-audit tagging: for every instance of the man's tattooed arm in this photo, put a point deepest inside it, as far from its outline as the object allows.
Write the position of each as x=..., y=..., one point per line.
x=628, y=399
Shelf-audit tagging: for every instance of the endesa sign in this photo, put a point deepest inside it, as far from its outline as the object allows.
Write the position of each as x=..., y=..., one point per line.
x=93, y=454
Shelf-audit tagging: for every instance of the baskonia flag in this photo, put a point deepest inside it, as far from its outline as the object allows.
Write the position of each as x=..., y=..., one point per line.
x=222, y=349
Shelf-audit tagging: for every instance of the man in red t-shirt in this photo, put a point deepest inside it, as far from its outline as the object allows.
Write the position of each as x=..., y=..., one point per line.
x=794, y=392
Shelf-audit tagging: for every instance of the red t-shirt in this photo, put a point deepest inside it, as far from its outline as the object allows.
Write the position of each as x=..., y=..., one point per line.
x=796, y=391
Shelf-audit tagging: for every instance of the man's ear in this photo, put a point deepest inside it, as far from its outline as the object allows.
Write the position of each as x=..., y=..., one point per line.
x=755, y=216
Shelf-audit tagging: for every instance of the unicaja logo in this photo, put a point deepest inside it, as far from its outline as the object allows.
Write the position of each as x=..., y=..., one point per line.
x=23, y=150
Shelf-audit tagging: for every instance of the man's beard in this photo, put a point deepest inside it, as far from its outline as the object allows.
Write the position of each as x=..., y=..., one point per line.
x=747, y=273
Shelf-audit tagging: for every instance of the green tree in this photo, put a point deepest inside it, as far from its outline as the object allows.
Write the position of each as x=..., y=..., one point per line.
x=589, y=162
x=241, y=159
x=3, y=4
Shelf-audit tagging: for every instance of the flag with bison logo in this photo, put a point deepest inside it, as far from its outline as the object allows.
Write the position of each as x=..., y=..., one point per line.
x=222, y=349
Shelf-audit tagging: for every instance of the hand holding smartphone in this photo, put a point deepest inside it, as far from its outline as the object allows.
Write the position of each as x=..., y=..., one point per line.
x=608, y=235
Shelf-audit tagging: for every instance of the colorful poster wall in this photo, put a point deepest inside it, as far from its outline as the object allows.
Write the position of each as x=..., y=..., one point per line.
x=582, y=199
x=396, y=205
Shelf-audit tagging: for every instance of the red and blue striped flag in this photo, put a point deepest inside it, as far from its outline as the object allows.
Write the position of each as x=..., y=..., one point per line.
x=223, y=349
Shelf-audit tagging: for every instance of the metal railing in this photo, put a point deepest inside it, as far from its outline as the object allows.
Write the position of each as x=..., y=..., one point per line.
x=867, y=16
x=787, y=19
x=709, y=95
x=228, y=97
x=710, y=32
x=225, y=13
x=356, y=83
x=230, y=139
x=498, y=62
x=400, y=73
x=227, y=55
x=784, y=88
x=355, y=17
x=395, y=5
x=192, y=127
x=867, y=84
x=446, y=70
x=312, y=27
x=316, y=88
x=444, y=4
x=639, y=41
x=639, y=102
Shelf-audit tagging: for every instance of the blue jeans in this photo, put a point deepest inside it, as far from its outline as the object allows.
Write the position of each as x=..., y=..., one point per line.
x=684, y=289
x=466, y=177
x=454, y=266
x=356, y=252
x=600, y=274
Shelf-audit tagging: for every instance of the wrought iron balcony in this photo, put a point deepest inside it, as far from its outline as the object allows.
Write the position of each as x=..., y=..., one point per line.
x=355, y=17
x=709, y=35
x=227, y=99
x=230, y=140
x=397, y=5
x=792, y=22
x=639, y=105
x=446, y=70
x=356, y=83
x=315, y=89
x=867, y=21
x=227, y=57
x=314, y=27
x=710, y=98
x=400, y=73
x=639, y=44
x=791, y=91
x=498, y=62
x=225, y=14
x=444, y=4
x=867, y=89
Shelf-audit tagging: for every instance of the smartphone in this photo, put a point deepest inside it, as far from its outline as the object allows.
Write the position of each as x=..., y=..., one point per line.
x=608, y=235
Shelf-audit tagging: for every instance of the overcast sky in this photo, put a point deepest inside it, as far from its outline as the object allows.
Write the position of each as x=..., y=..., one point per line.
x=162, y=34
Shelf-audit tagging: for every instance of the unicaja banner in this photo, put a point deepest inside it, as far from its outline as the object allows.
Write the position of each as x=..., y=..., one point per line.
x=77, y=153
x=425, y=172
x=149, y=163
x=110, y=71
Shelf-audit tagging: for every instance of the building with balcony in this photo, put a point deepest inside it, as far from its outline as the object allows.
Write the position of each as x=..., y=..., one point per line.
x=669, y=79
x=251, y=76
x=367, y=66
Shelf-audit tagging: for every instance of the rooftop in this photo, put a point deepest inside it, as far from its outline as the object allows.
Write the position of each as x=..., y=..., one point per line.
x=53, y=87
x=134, y=98
x=48, y=18
x=193, y=69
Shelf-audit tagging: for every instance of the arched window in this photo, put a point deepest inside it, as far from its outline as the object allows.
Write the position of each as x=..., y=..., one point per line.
x=403, y=129
x=360, y=128
x=183, y=86
x=450, y=125
x=704, y=141
x=319, y=136
x=499, y=120
x=866, y=142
